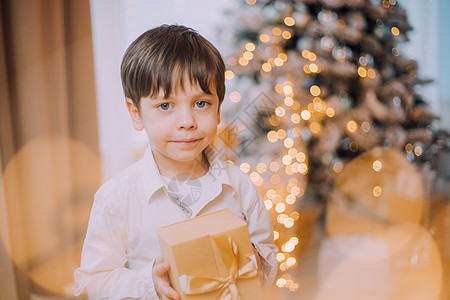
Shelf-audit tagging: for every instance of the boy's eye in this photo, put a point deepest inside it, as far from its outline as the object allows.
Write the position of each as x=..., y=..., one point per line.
x=164, y=106
x=201, y=103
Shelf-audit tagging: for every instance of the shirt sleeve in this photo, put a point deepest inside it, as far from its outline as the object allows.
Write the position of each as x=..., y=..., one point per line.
x=261, y=234
x=103, y=272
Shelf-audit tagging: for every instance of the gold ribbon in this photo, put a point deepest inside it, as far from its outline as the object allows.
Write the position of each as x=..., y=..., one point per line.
x=226, y=285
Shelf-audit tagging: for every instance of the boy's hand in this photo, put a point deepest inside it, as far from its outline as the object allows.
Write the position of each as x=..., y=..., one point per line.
x=161, y=280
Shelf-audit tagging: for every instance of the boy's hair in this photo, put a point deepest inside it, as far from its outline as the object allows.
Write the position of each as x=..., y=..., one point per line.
x=160, y=57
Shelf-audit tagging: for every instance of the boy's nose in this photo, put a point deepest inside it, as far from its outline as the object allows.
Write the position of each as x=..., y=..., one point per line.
x=186, y=120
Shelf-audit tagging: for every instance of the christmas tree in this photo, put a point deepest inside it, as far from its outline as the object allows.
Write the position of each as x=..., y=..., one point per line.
x=316, y=83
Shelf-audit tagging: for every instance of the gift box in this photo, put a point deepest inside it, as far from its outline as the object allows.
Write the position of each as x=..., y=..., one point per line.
x=211, y=257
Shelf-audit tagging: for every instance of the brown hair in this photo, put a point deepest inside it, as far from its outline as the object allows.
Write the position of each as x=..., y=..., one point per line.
x=162, y=55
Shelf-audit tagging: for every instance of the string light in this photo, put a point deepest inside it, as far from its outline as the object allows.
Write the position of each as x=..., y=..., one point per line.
x=235, y=96
x=377, y=165
x=395, y=31
x=289, y=21
x=250, y=46
x=377, y=191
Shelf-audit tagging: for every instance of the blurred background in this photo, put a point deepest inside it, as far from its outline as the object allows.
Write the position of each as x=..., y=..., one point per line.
x=336, y=109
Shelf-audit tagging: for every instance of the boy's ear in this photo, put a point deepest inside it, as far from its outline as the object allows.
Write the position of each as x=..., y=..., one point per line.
x=135, y=115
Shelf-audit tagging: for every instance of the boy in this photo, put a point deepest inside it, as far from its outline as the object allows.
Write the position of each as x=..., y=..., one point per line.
x=173, y=81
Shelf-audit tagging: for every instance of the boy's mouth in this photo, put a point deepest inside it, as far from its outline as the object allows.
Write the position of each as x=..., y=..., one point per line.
x=187, y=142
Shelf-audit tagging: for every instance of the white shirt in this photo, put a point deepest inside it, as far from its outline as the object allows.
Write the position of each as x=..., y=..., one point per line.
x=121, y=242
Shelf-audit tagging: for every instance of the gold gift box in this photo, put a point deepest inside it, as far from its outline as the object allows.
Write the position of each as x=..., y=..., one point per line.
x=211, y=257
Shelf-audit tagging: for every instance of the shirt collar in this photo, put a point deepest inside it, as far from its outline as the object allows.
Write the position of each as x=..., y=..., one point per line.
x=152, y=180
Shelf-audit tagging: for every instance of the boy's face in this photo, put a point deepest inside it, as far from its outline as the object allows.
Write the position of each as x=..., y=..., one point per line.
x=179, y=127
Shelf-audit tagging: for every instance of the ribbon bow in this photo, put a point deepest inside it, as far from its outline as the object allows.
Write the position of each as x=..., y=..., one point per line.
x=225, y=285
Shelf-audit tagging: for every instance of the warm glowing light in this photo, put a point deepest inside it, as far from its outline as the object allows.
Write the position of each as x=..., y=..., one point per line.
x=280, y=207
x=318, y=106
x=377, y=165
x=248, y=55
x=229, y=74
x=243, y=61
x=352, y=126
x=272, y=136
x=279, y=111
x=276, y=199
x=261, y=168
x=268, y=204
x=276, y=235
x=281, y=257
x=338, y=166
x=271, y=193
x=418, y=151
x=296, y=132
x=409, y=148
x=306, y=69
x=245, y=167
x=312, y=56
x=295, y=118
x=288, y=223
x=283, y=56
x=274, y=166
x=288, y=143
x=362, y=72
x=235, y=96
x=395, y=31
x=290, y=199
x=288, y=101
x=314, y=90
x=281, y=133
x=301, y=157
x=291, y=261
x=330, y=112
x=250, y=46
x=286, y=35
x=281, y=218
x=289, y=21
x=251, y=2
x=277, y=31
x=281, y=282
x=295, y=215
x=254, y=176
x=278, y=62
x=264, y=38
x=288, y=247
x=266, y=67
x=371, y=73
x=365, y=126
x=305, y=53
x=386, y=4
x=274, y=120
x=303, y=168
x=292, y=153
x=313, y=68
x=377, y=191
x=286, y=160
x=287, y=90
x=306, y=115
